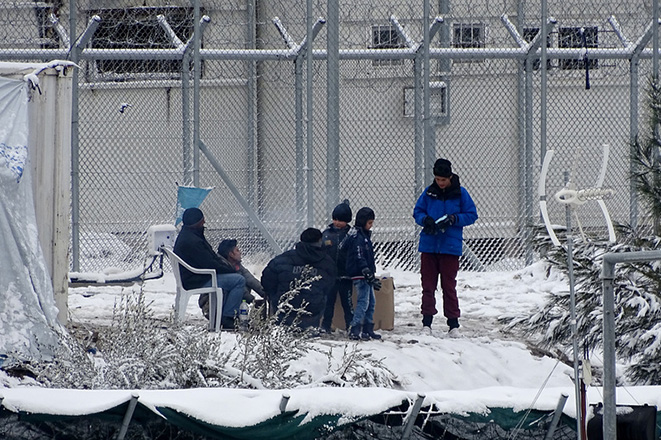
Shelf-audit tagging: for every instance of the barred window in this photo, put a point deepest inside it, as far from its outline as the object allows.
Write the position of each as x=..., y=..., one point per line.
x=385, y=37
x=468, y=36
x=138, y=28
x=576, y=37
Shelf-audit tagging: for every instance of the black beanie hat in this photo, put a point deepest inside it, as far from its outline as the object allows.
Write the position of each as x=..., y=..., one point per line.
x=443, y=168
x=363, y=215
x=311, y=235
x=225, y=247
x=342, y=212
x=192, y=216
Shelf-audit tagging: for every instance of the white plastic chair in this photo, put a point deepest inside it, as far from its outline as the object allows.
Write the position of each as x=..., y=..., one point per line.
x=183, y=296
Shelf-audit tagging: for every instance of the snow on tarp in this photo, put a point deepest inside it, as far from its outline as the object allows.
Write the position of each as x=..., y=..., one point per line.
x=28, y=314
x=256, y=413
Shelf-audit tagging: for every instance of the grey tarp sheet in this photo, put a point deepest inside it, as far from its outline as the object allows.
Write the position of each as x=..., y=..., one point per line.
x=28, y=315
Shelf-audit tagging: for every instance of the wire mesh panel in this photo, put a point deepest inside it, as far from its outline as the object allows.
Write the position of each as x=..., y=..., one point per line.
x=240, y=108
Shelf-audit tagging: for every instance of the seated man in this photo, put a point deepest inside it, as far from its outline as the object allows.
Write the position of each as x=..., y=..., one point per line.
x=307, y=259
x=229, y=250
x=192, y=247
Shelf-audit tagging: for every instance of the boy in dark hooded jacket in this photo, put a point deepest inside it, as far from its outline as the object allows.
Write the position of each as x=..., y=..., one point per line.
x=331, y=239
x=283, y=270
x=361, y=268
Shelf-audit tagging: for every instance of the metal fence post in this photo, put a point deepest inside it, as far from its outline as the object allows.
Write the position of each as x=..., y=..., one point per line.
x=127, y=417
x=410, y=420
x=610, y=380
x=556, y=416
x=332, y=105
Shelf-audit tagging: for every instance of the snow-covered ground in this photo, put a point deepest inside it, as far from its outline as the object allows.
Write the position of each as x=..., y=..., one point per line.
x=487, y=367
x=484, y=357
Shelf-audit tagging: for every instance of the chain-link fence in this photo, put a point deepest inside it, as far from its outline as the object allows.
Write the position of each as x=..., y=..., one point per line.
x=223, y=94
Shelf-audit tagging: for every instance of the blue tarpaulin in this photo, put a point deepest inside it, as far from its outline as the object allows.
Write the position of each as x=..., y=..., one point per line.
x=189, y=197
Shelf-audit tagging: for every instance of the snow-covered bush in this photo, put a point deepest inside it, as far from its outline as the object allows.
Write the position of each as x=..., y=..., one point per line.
x=637, y=286
x=138, y=352
x=637, y=290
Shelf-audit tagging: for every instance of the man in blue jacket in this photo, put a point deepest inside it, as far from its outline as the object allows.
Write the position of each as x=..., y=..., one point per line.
x=443, y=209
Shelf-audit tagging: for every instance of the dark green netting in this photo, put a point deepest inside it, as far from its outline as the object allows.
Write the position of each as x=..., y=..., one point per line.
x=500, y=423
x=285, y=426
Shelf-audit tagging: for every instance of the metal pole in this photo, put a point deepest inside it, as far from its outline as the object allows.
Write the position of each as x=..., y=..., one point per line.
x=410, y=421
x=655, y=40
x=196, y=93
x=75, y=141
x=542, y=133
x=310, y=113
x=419, y=127
x=556, y=416
x=430, y=150
x=332, y=105
x=251, y=43
x=298, y=141
x=187, y=155
x=633, y=135
x=609, y=422
x=526, y=131
x=74, y=53
x=655, y=76
x=572, y=313
x=608, y=283
x=275, y=247
x=127, y=417
x=283, y=403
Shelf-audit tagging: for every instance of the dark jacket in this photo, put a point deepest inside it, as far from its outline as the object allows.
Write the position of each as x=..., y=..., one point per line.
x=330, y=240
x=194, y=249
x=436, y=202
x=278, y=275
x=360, y=252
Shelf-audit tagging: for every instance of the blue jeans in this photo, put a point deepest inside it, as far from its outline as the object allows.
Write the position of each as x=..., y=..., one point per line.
x=233, y=285
x=365, y=301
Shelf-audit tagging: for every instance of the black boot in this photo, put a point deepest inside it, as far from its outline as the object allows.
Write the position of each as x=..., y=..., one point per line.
x=354, y=332
x=368, y=332
x=427, y=320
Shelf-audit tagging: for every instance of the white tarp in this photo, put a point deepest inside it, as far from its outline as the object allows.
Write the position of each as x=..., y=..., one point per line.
x=28, y=315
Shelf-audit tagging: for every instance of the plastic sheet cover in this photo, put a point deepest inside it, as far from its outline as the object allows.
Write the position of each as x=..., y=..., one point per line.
x=28, y=315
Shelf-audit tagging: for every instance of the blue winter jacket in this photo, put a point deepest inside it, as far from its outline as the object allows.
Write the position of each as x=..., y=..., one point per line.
x=360, y=252
x=436, y=203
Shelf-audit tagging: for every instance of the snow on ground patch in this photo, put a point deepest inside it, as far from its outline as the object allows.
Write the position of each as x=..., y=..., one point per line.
x=483, y=357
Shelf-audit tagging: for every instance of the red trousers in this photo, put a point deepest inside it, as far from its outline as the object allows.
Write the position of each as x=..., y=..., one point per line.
x=433, y=266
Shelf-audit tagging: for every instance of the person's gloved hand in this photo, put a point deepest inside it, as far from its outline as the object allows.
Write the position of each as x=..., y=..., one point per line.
x=446, y=222
x=429, y=225
x=371, y=280
x=368, y=275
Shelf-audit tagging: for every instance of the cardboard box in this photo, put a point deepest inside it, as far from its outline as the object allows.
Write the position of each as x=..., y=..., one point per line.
x=384, y=309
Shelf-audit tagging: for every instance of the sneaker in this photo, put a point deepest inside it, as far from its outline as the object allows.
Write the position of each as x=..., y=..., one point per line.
x=426, y=330
x=454, y=333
